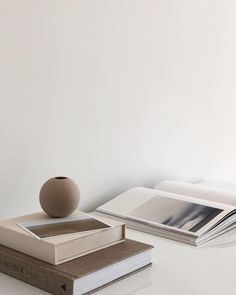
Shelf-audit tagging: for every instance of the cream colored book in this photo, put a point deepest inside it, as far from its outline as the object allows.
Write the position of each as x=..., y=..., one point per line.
x=52, y=246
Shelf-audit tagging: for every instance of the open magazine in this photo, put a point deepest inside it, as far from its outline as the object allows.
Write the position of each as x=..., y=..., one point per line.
x=185, y=212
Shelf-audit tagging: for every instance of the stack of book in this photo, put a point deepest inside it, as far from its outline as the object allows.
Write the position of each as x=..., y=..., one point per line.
x=71, y=256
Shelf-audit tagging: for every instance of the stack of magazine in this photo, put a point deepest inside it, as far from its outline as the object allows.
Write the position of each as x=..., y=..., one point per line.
x=74, y=255
x=185, y=212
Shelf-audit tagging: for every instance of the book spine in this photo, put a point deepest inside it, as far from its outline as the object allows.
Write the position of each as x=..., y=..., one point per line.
x=27, y=244
x=47, y=279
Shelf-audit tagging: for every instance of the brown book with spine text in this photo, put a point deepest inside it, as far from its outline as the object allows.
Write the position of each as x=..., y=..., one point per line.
x=79, y=276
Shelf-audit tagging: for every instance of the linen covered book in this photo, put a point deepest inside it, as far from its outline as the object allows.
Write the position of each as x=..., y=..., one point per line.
x=62, y=239
x=79, y=276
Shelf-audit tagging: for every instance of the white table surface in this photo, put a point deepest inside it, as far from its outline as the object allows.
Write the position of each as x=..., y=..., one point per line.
x=177, y=269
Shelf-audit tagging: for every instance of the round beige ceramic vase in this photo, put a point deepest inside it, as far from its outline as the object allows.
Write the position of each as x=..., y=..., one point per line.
x=59, y=196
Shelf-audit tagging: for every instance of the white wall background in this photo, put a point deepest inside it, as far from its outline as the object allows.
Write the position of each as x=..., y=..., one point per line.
x=115, y=94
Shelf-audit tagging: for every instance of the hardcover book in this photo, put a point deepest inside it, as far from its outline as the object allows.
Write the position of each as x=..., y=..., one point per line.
x=79, y=276
x=59, y=240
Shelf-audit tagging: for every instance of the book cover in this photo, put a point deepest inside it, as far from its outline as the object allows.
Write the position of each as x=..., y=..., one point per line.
x=79, y=276
x=58, y=249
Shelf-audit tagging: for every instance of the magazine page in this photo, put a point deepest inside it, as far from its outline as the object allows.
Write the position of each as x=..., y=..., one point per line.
x=172, y=212
x=200, y=191
x=223, y=227
x=226, y=240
